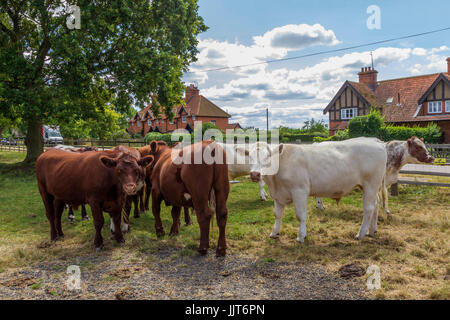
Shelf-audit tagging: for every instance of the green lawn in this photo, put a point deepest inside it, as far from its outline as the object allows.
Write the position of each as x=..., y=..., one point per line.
x=411, y=247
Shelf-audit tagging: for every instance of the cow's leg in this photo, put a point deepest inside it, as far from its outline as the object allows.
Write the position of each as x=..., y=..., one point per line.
x=262, y=191
x=115, y=218
x=156, y=209
x=97, y=215
x=135, y=199
x=126, y=215
x=385, y=199
x=221, y=217
x=319, y=204
x=84, y=215
x=50, y=213
x=148, y=191
x=187, y=217
x=279, y=211
x=369, y=205
x=59, y=209
x=301, y=203
x=175, y=220
x=203, y=218
x=141, y=200
x=374, y=220
x=71, y=215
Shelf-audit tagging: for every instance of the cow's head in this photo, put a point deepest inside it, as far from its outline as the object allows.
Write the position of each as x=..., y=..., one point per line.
x=264, y=159
x=418, y=151
x=128, y=169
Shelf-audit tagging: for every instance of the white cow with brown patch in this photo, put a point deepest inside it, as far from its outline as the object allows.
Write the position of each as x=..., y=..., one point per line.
x=322, y=170
x=399, y=153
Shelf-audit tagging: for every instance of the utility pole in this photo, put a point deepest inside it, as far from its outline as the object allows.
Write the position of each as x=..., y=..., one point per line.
x=267, y=120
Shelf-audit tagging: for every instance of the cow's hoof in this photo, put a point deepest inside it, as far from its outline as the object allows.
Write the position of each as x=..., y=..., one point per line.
x=125, y=228
x=274, y=235
x=59, y=238
x=220, y=252
x=202, y=252
x=142, y=211
x=136, y=216
x=160, y=233
x=120, y=242
x=359, y=237
x=173, y=233
x=388, y=212
x=86, y=218
x=263, y=199
x=300, y=239
x=71, y=219
x=189, y=223
x=99, y=248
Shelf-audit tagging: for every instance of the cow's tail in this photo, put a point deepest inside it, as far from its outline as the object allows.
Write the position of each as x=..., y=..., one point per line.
x=212, y=205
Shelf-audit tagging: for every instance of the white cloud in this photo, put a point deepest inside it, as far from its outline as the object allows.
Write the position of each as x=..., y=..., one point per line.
x=296, y=37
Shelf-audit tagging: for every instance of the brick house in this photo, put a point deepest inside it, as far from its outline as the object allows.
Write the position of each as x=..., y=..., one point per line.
x=417, y=100
x=195, y=108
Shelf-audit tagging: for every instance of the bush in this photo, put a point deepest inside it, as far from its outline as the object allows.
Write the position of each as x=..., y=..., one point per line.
x=431, y=134
x=339, y=136
x=366, y=126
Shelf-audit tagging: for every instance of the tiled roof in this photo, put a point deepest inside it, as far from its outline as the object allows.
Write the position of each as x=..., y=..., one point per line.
x=409, y=89
x=196, y=105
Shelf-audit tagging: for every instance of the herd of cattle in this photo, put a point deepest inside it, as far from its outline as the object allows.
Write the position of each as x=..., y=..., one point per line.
x=111, y=180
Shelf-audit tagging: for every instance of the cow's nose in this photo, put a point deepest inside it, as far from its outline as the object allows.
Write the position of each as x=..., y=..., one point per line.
x=130, y=188
x=431, y=159
x=255, y=176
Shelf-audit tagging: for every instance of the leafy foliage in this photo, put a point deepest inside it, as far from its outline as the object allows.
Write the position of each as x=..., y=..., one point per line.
x=125, y=53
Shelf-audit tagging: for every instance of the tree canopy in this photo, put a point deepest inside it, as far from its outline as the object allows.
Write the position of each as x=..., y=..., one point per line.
x=125, y=53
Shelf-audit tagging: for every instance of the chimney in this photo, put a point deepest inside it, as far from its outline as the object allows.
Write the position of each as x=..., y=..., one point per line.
x=448, y=65
x=368, y=77
x=191, y=91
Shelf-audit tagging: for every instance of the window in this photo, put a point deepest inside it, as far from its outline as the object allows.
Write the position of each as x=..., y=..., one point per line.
x=193, y=117
x=157, y=122
x=138, y=124
x=213, y=122
x=349, y=113
x=162, y=121
x=447, y=106
x=183, y=118
x=149, y=122
x=435, y=107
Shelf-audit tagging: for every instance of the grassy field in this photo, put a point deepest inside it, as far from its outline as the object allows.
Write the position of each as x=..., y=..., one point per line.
x=411, y=247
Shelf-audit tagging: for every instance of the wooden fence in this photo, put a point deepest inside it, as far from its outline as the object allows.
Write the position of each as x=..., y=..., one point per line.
x=436, y=171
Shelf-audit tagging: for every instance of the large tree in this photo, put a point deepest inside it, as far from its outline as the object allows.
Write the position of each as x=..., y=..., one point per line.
x=124, y=53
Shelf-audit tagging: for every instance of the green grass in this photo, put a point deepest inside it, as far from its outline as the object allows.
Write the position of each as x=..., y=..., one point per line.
x=411, y=246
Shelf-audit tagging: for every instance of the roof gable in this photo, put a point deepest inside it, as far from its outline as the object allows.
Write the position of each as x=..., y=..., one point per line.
x=440, y=78
x=347, y=84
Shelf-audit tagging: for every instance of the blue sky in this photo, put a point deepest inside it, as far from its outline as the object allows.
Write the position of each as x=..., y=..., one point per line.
x=249, y=31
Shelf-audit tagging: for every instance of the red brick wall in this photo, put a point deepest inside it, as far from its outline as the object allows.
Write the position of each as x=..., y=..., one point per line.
x=333, y=124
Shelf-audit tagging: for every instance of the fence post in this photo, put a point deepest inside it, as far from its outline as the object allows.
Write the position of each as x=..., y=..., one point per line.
x=394, y=190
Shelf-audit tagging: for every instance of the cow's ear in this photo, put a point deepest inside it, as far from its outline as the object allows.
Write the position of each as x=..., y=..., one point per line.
x=409, y=142
x=108, y=162
x=145, y=161
x=154, y=146
x=277, y=149
x=421, y=139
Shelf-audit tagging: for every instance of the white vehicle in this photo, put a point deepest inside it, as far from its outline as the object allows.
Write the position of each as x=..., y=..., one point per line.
x=52, y=135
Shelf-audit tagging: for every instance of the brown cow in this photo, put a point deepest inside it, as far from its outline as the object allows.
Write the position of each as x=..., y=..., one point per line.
x=162, y=146
x=101, y=179
x=191, y=185
x=71, y=215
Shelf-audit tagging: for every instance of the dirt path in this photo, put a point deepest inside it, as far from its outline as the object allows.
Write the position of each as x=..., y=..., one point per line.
x=160, y=277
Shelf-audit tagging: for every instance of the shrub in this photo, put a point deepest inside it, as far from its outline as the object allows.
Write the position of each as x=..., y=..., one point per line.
x=366, y=126
x=339, y=136
x=431, y=134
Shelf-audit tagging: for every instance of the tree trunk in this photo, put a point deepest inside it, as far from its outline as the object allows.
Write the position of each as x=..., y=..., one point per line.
x=34, y=140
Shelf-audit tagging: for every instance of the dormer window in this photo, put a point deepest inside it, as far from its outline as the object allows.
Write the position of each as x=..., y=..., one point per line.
x=349, y=113
x=435, y=107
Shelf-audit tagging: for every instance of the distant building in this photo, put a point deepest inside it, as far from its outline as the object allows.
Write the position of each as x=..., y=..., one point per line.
x=195, y=108
x=417, y=100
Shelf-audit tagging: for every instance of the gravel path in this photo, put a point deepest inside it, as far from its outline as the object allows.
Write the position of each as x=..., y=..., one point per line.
x=186, y=277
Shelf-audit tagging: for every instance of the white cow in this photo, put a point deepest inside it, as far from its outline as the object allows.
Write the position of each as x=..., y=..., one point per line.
x=399, y=153
x=322, y=170
x=235, y=169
